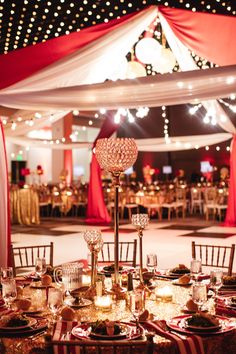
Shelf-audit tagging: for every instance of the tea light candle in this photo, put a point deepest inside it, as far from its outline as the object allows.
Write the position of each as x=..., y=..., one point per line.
x=103, y=302
x=164, y=294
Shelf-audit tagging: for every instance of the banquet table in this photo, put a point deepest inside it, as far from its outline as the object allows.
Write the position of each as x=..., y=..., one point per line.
x=213, y=344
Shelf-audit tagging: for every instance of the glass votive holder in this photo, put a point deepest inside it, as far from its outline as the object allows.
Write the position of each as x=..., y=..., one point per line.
x=103, y=303
x=119, y=279
x=164, y=294
x=86, y=280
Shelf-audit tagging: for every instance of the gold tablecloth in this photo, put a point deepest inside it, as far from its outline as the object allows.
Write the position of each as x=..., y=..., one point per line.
x=215, y=344
x=24, y=207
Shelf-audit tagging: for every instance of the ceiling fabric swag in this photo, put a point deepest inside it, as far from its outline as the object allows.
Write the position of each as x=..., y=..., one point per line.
x=55, y=62
x=94, y=62
x=179, y=143
x=186, y=62
x=207, y=35
x=151, y=91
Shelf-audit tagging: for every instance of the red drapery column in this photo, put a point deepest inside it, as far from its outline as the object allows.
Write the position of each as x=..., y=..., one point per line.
x=5, y=227
x=230, y=219
x=68, y=159
x=96, y=210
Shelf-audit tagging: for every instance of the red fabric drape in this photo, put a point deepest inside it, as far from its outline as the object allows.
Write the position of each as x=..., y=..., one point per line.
x=68, y=158
x=210, y=36
x=5, y=237
x=19, y=64
x=230, y=219
x=96, y=209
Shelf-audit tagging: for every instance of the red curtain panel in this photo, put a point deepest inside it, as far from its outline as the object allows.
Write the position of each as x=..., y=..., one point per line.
x=210, y=36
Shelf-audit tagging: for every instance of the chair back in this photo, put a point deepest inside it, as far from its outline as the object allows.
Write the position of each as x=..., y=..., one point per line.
x=196, y=194
x=25, y=256
x=180, y=194
x=210, y=195
x=127, y=252
x=215, y=256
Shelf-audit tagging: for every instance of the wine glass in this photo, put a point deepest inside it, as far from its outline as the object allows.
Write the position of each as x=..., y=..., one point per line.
x=216, y=280
x=151, y=262
x=55, y=300
x=6, y=273
x=195, y=268
x=136, y=303
x=9, y=293
x=40, y=266
x=199, y=294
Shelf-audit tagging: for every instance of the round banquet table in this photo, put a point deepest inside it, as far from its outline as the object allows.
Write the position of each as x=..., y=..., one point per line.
x=213, y=344
x=24, y=206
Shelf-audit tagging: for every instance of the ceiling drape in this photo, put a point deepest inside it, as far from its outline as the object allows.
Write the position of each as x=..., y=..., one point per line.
x=210, y=36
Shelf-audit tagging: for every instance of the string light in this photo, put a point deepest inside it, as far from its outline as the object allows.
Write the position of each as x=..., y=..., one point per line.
x=36, y=16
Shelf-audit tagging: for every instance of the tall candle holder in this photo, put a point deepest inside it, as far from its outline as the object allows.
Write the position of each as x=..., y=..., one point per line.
x=95, y=242
x=116, y=156
x=140, y=221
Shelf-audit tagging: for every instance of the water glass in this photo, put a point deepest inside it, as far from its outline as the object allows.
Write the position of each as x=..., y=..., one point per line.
x=199, y=294
x=216, y=279
x=40, y=266
x=136, y=303
x=6, y=273
x=151, y=262
x=195, y=268
x=55, y=300
x=9, y=293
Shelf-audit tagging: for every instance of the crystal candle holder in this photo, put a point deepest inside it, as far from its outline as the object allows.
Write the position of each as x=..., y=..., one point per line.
x=95, y=243
x=140, y=221
x=115, y=156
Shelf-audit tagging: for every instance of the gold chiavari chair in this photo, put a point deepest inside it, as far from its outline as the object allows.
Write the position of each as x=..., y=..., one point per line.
x=127, y=252
x=215, y=256
x=25, y=256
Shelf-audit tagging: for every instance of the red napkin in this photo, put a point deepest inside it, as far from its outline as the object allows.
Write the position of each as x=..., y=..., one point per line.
x=223, y=309
x=191, y=345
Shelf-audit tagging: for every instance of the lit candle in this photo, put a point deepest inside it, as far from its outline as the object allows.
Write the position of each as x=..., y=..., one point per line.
x=164, y=294
x=103, y=302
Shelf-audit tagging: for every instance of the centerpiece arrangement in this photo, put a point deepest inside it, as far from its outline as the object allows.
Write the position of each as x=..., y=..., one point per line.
x=116, y=156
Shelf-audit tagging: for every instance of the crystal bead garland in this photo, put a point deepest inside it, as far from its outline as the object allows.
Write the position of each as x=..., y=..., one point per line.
x=116, y=156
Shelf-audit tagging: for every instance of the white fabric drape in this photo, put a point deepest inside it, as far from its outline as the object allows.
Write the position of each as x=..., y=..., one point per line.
x=186, y=62
x=179, y=143
x=47, y=118
x=4, y=207
x=91, y=64
x=153, y=91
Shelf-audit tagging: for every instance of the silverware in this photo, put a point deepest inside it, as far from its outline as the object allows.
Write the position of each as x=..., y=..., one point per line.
x=66, y=336
x=37, y=335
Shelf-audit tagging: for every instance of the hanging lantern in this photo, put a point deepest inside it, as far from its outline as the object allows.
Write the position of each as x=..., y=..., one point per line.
x=135, y=69
x=147, y=49
x=165, y=63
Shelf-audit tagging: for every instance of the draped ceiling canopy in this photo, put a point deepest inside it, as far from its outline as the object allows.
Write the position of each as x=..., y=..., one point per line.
x=70, y=72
